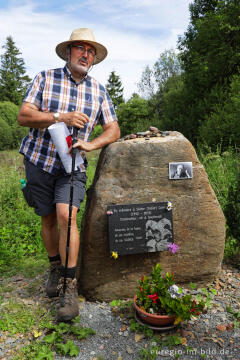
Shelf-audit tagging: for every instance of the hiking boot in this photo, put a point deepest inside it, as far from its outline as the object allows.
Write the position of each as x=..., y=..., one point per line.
x=68, y=308
x=53, y=280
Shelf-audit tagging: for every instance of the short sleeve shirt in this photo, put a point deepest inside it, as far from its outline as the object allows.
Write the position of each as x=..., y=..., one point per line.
x=56, y=91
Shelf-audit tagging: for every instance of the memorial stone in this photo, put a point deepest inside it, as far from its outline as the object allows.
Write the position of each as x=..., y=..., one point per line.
x=136, y=171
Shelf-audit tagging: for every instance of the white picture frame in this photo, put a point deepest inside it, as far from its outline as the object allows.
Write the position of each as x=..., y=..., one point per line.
x=180, y=170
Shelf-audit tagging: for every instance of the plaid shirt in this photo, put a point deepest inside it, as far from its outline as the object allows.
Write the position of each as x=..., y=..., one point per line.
x=56, y=91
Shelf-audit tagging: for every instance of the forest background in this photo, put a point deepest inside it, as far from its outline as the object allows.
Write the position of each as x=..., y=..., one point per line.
x=195, y=91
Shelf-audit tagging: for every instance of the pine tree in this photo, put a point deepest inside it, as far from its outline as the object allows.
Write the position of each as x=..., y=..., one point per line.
x=115, y=89
x=13, y=80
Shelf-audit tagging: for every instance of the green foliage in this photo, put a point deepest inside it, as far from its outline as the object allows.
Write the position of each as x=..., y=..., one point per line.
x=197, y=91
x=11, y=133
x=135, y=326
x=153, y=81
x=55, y=341
x=222, y=124
x=122, y=304
x=224, y=173
x=13, y=80
x=232, y=250
x=150, y=353
x=19, y=226
x=61, y=346
x=9, y=112
x=135, y=115
x=164, y=347
x=98, y=130
x=6, y=138
x=68, y=348
x=209, y=54
x=235, y=315
x=115, y=89
x=16, y=317
x=36, y=351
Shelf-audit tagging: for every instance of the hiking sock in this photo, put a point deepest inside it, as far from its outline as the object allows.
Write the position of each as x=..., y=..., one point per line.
x=54, y=258
x=70, y=272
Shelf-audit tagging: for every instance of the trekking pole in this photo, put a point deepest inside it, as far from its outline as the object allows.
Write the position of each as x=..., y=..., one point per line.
x=74, y=151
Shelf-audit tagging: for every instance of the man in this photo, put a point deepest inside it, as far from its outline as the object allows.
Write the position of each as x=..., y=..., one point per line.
x=180, y=173
x=71, y=96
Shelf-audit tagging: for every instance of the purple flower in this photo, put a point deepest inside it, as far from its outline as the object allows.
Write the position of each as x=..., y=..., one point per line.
x=173, y=248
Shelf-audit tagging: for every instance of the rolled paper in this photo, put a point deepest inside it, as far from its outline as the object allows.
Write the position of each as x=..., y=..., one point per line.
x=62, y=140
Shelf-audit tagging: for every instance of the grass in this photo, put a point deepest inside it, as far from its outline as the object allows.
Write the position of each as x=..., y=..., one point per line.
x=223, y=171
x=16, y=317
x=21, y=247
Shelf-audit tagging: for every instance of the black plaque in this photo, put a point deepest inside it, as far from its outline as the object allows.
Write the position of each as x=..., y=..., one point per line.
x=140, y=228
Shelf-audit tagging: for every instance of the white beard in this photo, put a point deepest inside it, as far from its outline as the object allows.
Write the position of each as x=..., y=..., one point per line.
x=79, y=68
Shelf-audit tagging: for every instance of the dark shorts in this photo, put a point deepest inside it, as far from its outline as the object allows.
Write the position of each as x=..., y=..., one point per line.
x=44, y=190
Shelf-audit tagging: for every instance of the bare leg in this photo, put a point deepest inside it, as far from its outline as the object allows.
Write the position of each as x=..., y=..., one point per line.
x=50, y=234
x=62, y=216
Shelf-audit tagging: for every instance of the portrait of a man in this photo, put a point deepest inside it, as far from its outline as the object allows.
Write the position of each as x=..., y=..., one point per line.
x=181, y=170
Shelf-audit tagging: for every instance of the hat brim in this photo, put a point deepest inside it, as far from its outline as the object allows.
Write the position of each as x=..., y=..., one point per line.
x=101, y=51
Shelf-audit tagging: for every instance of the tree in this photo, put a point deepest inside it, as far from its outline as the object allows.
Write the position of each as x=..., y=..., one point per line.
x=156, y=82
x=135, y=115
x=115, y=89
x=209, y=54
x=222, y=125
x=13, y=80
x=153, y=80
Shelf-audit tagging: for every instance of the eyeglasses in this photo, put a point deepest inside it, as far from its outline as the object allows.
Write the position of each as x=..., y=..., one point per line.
x=81, y=49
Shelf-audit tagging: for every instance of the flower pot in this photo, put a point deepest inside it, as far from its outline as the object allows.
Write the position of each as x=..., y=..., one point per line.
x=153, y=319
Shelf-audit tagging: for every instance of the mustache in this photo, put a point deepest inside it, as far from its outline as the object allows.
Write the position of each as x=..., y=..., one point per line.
x=84, y=60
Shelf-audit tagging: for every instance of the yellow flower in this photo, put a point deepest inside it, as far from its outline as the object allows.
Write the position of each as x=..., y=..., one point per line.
x=169, y=205
x=36, y=333
x=178, y=320
x=114, y=255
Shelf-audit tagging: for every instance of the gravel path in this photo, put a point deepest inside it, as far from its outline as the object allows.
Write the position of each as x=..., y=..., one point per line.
x=211, y=336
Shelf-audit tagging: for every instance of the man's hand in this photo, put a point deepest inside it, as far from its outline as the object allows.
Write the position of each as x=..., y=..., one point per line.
x=74, y=118
x=83, y=145
x=111, y=133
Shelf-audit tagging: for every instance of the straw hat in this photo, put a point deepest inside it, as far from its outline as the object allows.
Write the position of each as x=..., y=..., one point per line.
x=85, y=35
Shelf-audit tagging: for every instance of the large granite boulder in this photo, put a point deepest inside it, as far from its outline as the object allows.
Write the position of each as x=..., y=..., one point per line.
x=137, y=171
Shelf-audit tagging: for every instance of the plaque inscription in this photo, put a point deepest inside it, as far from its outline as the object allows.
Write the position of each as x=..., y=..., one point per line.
x=139, y=228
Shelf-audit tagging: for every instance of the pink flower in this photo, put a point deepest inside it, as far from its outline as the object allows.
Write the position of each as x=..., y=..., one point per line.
x=173, y=248
x=154, y=297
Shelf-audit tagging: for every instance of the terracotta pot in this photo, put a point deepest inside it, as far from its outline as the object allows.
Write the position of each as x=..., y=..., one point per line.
x=152, y=319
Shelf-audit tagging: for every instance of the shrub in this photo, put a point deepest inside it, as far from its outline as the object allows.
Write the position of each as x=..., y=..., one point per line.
x=11, y=133
x=134, y=115
x=6, y=138
x=8, y=112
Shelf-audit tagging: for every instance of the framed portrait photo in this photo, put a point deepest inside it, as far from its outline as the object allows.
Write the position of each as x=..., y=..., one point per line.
x=180, y=170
